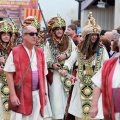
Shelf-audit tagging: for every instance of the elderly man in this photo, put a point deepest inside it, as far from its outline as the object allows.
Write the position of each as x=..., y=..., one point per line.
x=26, y=70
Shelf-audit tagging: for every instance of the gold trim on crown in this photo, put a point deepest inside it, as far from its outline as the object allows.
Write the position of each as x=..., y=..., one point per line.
x=91, y=26
x=33, y=21
x=5, y=27
x=56, y=22
x=14, y=29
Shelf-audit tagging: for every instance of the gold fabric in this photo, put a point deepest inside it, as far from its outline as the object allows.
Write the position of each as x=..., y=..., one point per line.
x=56, y=22
x=5, y=26
x=91, y=26
x=86, y=85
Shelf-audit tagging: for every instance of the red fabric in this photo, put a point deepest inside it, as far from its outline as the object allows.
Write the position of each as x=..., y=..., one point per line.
x=32, y=12
x=50, y=77
x=107, y=75
x=22, y=62
x=75, y=37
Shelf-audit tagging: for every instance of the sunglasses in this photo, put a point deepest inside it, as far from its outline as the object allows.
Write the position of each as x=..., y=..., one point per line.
x=32, y=33
x=79, y=35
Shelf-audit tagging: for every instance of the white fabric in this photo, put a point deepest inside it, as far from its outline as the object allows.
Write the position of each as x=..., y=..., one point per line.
x=35, y=115
x=76, y=109
x=97, y=78
x=10, y=66
x=115, y=82
x=1, y=110
x=58, y=97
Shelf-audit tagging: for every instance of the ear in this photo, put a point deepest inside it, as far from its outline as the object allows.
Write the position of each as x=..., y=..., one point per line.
x=23, y=36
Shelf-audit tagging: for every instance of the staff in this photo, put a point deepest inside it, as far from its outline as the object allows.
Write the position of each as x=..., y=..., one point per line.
x=43, y=18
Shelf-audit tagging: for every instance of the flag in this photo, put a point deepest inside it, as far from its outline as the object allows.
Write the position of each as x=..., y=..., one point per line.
x=32, y=12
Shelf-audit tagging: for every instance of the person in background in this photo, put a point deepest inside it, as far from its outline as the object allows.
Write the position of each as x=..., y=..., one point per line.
x=114, y=48
x=15, y=35
x=71, y=31
x=5, y=48
x=107, y=84
x=109, y=35
x=77, y=24
x=106, y=43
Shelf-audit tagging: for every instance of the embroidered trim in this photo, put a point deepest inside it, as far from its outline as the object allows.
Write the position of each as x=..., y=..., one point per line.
x=86, y=84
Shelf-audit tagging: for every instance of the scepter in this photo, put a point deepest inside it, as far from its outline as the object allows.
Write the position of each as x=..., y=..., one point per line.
x=43, y=17
x=10, y=19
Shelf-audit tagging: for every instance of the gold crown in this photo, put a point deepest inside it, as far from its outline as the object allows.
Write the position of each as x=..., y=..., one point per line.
x=56, y=22
x=5, y=26
x=91, y=27
x=14, y=29
x=33, y=21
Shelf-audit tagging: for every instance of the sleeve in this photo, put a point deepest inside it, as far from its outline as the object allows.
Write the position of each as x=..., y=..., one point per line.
x=46, y=70
x=97, y=78
x=9, y=65
x=105, y=56
x=71, y=60
x=48, y=55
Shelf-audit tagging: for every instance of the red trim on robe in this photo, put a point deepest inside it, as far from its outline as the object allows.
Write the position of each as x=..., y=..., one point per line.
x=107, y=75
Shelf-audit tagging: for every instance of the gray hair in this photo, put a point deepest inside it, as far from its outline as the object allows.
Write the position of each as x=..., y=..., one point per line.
x=24, y=30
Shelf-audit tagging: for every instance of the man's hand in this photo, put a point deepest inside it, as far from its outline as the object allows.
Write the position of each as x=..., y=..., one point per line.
x=1, y=69
x=2, y=60
x=56, y=66
x=14, y=100
x=63, y=72
x=93, y=111
x=61, y=57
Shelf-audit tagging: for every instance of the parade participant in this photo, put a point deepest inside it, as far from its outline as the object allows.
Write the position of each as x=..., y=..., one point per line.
x=26, y=80
x=15, y=35
x=58, y=49
x=108, y=83
x=33, y=21
x=77, y=24
x=90, y=57
x=5, y=48
x=71, y=31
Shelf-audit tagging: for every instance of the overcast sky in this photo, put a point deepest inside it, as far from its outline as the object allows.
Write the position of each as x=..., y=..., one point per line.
x=68, y=9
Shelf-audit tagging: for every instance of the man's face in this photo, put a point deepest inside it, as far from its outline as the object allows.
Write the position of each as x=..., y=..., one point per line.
x=13, y=37
x=31, y=36
x=70, y=32
x=59, y=32
x=5, y=37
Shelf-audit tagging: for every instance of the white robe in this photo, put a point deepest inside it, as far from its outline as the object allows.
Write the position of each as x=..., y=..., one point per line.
x=58, y=97
x=97, y=79
x=75, y=105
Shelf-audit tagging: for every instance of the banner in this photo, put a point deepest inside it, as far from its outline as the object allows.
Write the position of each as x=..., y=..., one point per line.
x=32, y=12
x=15, y=9
x=18, y=3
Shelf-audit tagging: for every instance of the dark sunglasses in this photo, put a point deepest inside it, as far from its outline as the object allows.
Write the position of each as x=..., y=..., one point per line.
x=32, y=33
x=79, y=35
